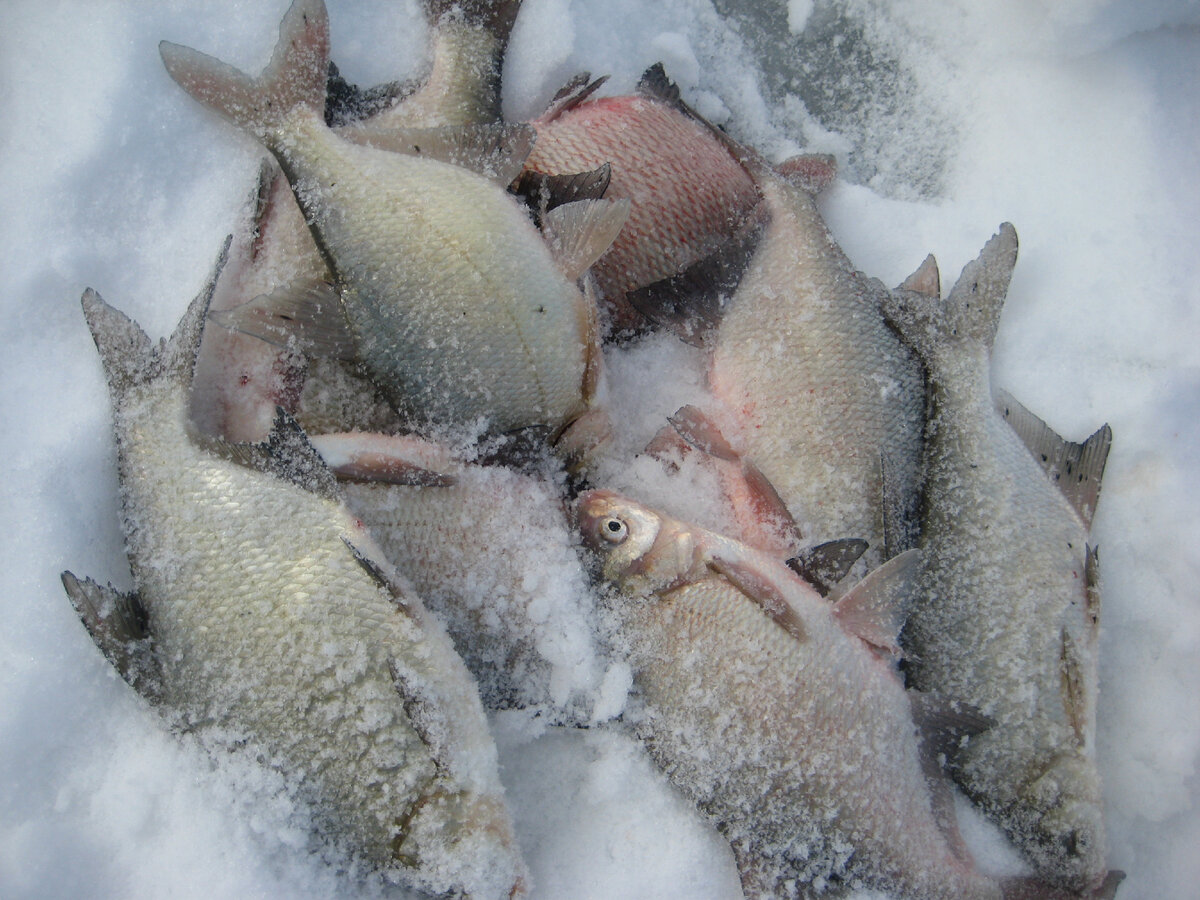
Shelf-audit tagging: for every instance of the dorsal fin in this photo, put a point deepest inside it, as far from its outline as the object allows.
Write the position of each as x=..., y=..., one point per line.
x=1076, y=469
x=287, y=454
x=691, y=303
x=579, y=233
x=495, y=150
x=117, y=623
x=571, y=94
x=305, y=312
x=1091, y=574
x=824, y=565
x=876, y=607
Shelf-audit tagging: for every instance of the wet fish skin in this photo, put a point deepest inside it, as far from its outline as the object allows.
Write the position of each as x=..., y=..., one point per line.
x=290, y=642
x=753, y=722
x=688, y=194
x=817, y=391
x=414, y=244
x=1007, y=614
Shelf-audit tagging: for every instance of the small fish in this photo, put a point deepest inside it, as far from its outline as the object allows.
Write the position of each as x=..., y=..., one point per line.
x=778, y=712
x=1008, y=605
x=813, y=389
x=444, y=289
x=265, y=620
x=688, y=195
x=464, y=534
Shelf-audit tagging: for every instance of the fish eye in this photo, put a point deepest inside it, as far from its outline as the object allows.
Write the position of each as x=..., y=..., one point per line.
x=614, y=530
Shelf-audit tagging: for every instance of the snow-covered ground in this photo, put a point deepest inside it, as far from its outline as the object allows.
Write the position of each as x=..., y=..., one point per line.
x=1077, y=121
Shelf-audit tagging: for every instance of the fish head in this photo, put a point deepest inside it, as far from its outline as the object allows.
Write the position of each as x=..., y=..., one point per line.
x=638, y=550
x=1067, y=835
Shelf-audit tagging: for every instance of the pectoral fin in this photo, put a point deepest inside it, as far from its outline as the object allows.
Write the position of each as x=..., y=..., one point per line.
x=875, y=609
x=118, y=624
x=390, y=459
x=571, y=95
x=763, y=590
x=579, y=233
x=308, y=313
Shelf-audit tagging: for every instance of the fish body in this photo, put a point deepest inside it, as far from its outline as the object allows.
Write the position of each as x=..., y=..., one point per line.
x=267, y=623
x=451, y=296
x=463, y=535
x=819, y=394
x=240, y=378
x=797, y=741
x=1007, y=611
x=688, y=195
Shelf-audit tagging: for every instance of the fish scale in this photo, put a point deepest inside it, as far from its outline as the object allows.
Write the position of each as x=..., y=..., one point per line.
x=819, y=389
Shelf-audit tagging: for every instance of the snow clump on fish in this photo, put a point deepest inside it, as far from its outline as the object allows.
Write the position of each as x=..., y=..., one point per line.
x=618, y=341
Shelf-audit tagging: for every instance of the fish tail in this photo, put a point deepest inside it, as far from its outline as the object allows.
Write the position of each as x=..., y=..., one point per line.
x=972, y=310
x=128, y=355
x=295, y=76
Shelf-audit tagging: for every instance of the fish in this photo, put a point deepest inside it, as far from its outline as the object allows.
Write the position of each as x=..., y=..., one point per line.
x=688, y=195
x=811, y=386
x=464, y=533
x=240, y=378
x=1007, y=610
x=779, y=712
x=443, y=288
x=265, y=621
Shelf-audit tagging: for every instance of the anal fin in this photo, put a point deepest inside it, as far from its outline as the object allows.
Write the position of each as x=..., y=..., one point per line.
x=1075, y=468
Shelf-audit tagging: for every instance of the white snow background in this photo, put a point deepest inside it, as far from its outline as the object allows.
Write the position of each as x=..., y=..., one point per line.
x=1079, y=121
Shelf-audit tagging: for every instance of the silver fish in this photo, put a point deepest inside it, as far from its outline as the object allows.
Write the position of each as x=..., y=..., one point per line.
x=265, y=618
x=448, y=293
x=775, y=711
x=819, y=394
x=465, y=534
x=1008, y=605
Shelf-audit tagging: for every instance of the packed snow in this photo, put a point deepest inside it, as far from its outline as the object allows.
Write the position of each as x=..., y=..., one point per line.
x=1078, y=122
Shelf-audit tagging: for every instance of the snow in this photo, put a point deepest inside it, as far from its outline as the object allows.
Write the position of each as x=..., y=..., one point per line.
x=1078, y=122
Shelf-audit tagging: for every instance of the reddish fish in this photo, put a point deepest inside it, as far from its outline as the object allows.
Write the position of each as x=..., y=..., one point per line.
x=689, y=195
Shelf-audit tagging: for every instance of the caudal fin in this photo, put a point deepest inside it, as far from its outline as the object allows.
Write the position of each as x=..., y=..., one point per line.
x=971, y=312
x=295, y=76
